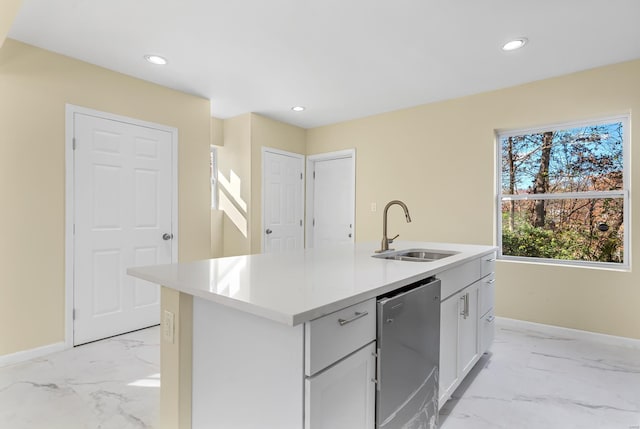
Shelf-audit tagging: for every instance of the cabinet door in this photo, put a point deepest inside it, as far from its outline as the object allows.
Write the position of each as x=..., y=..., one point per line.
x=449, y=313
x=468, y=328
x=343, y=396
x=486, y=331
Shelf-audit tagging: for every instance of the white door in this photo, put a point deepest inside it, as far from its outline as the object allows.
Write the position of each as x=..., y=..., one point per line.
x=123, y=217
x=283, y=201
x=343, y=396
x=332, y=207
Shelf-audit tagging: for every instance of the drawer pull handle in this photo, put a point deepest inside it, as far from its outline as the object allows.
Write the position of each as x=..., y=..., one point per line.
x=491, y=319
x=357, y=316
x=490, y=282
x=491, y=260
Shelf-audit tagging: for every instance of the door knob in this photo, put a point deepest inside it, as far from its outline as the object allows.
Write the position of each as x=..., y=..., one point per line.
x=166, y=236
x=268, y=231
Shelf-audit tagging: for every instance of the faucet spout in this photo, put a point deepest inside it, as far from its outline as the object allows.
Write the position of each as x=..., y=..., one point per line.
x=385, y=239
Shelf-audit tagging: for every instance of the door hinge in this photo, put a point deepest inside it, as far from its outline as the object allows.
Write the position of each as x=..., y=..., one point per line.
x=74, y=314
x=300, y=222
x=300, y=176
x=313, y=223
x=314, y=174
x=73, y=144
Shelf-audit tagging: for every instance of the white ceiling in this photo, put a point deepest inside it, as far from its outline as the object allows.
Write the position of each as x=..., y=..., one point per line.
x=342, y=59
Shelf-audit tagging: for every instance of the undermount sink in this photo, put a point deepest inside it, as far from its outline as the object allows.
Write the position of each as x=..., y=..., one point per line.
x=415, y=255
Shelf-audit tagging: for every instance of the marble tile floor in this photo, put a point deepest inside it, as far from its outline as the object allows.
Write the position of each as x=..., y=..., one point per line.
x=108, y=384
x=533, y=380
x=529, y=380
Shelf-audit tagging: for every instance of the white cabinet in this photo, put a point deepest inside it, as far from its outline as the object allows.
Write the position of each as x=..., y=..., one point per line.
x=468, y=329
x=343, y=395
x=486, y=330
x=340, y=368
x=458, y=339
x=249, y=372
x=486, y=294
x=466, y=320
x=449, y=313
x=336, y=335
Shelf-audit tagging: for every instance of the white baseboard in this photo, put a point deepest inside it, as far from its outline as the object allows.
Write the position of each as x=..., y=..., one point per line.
x=575, y=334
x=25, y=355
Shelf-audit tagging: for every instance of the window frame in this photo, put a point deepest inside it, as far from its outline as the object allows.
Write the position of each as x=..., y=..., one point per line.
x=624, y=193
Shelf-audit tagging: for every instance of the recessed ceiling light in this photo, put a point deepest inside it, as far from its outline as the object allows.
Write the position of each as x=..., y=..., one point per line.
x=514, y=44
x=298, y=108
x=156, y=59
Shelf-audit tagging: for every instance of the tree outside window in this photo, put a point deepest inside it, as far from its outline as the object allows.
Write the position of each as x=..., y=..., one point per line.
x=563, y=193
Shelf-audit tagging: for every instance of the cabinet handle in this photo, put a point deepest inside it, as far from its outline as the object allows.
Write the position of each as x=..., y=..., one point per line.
x=491, y=260
x=490, y=282
x=357, y=316
x=491, y=319
x=466, y=305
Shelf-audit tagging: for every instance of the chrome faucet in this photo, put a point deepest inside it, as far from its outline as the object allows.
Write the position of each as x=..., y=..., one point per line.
x=386, y=240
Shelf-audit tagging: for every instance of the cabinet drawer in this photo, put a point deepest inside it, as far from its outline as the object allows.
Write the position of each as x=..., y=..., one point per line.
x=334, y=336
x=487, y=293
x=488, y=264
x=458, y=278
x=487, y=330
x=343, y=396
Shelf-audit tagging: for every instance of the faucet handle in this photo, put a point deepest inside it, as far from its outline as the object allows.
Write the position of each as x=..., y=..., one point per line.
x=391, y=239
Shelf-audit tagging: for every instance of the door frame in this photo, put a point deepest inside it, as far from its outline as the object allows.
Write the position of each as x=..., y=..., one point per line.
x=311, y=161
x=70, y=111
x=301, y=158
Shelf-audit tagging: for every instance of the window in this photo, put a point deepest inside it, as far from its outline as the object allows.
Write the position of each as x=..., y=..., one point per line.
x=213, y=170
x=563, y=193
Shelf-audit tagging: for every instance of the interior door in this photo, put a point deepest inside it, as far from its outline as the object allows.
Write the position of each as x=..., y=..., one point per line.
x=122, y=218
x=333, y=202
x=283, y=201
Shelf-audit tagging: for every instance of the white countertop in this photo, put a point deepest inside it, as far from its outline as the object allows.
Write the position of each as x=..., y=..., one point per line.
x=297, y=286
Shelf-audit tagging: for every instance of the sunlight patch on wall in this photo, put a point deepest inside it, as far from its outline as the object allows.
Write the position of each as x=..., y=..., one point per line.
x=230, y=201
x=232, y=187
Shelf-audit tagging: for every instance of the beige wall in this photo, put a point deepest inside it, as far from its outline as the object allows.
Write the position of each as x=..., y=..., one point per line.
x=440, y=159
x=175, y=362
x=235, y=158
x=244, y=138
x=217, y=216
x=8, y=11
x=35, y=86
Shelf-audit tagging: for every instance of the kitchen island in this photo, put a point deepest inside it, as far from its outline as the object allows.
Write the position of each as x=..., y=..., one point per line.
x=265, y=344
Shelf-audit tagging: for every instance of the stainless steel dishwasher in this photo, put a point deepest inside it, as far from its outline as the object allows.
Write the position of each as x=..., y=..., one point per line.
x=408, y=353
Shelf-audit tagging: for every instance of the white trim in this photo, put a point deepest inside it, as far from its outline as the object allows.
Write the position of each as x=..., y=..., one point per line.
x=311, y=160
x=25, y=355
x=574, y=334
x=70, y=111
x=301, y=158
x=566, y=196
x=68, y=226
